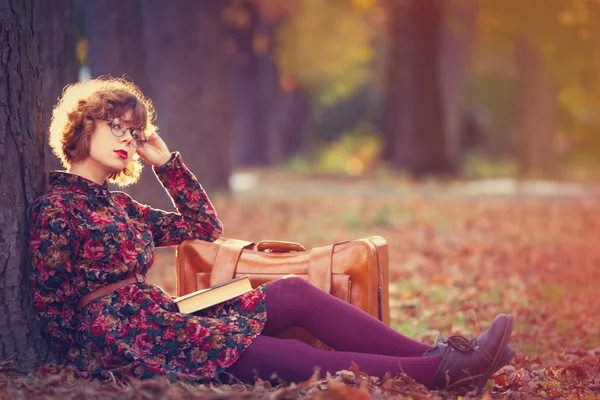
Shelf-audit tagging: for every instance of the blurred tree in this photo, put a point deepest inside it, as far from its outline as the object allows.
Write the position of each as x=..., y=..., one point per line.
x=266, y=129
x=57, y=35
x=528, y=30
x=114, y=35
x=396, y=84
x=458, y=32
x=582, y=98
x=186, y=64
x=21, y=179
x=262, y=109
x=254, y=84
x=248, y=109
x=287, y=101
x=116, y=47
x=554, y=35
x=536, y=107
x=414, y=112
x=290, y=125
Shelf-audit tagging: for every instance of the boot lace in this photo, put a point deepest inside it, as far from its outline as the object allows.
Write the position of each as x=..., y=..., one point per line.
x=461, y=344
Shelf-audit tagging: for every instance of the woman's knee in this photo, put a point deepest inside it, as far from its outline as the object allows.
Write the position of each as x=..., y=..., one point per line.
x=292, y=284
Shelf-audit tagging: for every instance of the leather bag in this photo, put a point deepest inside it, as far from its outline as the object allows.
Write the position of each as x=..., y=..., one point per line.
x=354, y=271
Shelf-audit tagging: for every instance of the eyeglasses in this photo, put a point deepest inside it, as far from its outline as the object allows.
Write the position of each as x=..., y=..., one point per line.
x=138, y=135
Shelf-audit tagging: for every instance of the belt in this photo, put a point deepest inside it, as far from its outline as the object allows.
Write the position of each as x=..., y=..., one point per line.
x=86, y=298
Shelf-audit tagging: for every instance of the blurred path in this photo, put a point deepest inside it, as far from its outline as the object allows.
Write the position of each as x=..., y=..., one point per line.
x=279, y=185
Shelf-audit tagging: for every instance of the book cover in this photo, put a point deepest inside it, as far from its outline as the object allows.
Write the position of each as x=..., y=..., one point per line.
x=204, y=298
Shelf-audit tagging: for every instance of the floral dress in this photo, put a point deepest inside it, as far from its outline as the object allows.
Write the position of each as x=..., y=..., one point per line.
x=84, y=236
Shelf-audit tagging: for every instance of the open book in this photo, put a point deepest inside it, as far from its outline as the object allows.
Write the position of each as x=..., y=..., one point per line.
x=204, y=298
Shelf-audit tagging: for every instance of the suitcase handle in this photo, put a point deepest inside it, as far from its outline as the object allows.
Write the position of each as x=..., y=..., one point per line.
x=277, y=246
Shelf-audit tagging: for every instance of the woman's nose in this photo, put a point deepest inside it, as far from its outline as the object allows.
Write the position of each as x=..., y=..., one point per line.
x=127, y=137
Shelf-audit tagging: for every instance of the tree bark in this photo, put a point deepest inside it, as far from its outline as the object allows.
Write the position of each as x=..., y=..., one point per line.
x=536, y=107
x=21, y=178
x=56, y=27
x=187, y=67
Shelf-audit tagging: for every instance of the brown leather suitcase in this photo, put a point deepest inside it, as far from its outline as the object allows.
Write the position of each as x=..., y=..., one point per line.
x=354, y=271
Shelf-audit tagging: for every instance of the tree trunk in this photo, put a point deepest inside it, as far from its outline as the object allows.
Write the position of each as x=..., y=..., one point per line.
x=271, y=97
x=56, y=27
x=536, y=107
x=398, y=115
x=21, y=179
x=116, y=48
x=457, y=37
x=285, y=109
x=292, y=113
x=115, y=44
x=186, y=65
x=260, y=107
x=248, y=115
x=415, y=137
x=428, y=140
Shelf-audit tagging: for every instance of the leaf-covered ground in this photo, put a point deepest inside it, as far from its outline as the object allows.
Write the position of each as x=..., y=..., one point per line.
x=455, y=262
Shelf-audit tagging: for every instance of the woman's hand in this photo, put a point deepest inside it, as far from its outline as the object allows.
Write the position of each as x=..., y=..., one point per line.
x=155, y=151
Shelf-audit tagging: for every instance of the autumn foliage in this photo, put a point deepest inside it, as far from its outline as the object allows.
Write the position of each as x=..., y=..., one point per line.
x=455, y=261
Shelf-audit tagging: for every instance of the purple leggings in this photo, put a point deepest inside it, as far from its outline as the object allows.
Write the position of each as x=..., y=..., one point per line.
x=355, y=335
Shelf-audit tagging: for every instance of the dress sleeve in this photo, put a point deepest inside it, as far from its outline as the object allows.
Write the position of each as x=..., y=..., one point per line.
x=53, y=251
x=196, y=217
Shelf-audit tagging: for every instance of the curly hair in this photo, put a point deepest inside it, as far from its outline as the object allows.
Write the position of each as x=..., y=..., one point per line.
x=82, y=104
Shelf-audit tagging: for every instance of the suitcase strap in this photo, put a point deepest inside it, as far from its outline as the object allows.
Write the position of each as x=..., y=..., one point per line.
x=319, y=266
x=226, y=261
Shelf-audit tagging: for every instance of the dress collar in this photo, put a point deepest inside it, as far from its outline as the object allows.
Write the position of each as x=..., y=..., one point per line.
x=65, y=181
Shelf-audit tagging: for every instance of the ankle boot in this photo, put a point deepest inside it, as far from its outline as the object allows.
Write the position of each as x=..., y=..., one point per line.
x=506, y=354
x=470, y=363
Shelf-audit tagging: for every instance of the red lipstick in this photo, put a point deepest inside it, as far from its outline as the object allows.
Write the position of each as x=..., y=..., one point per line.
x=122, y=154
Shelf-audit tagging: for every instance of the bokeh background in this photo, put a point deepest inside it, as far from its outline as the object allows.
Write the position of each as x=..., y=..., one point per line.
x=459, y=88
x=465, y=132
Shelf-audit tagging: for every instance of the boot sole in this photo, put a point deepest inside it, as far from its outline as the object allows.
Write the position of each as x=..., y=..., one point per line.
x=503, y=361
x=496, y=364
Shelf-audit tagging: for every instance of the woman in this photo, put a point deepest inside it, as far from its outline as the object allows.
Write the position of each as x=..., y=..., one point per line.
x=93, y=247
